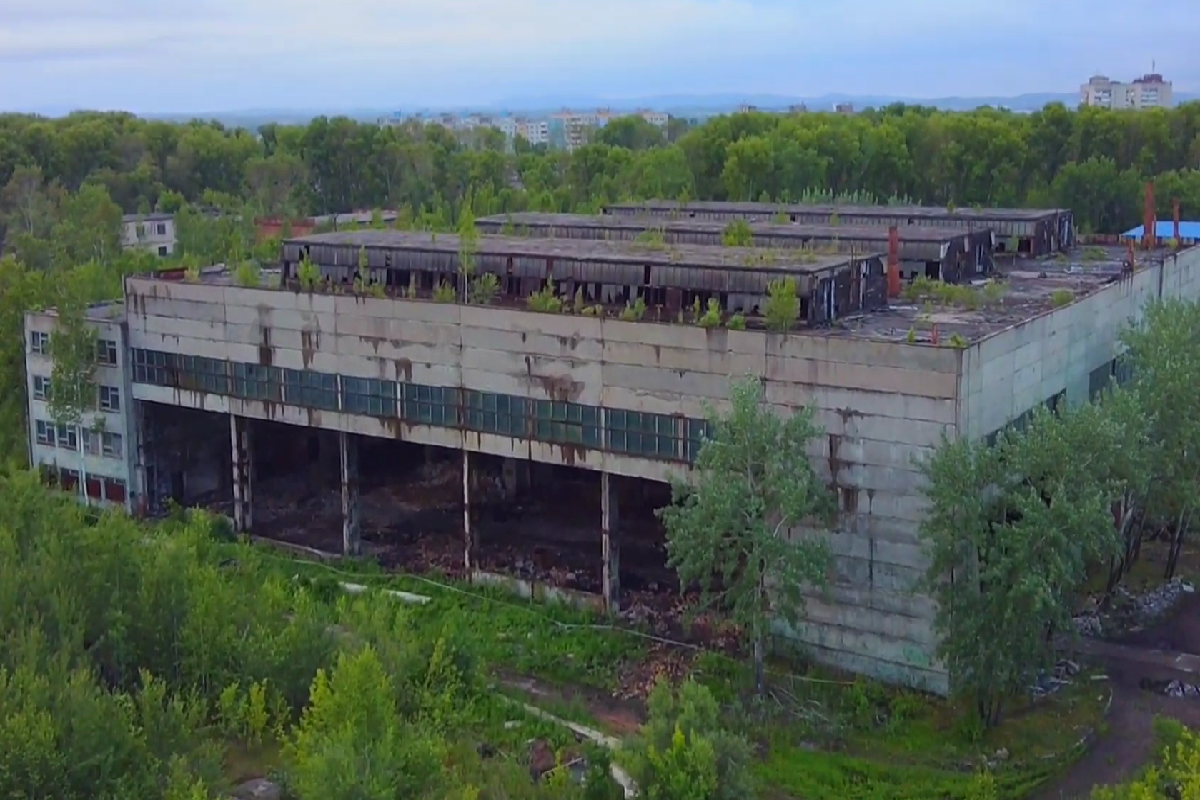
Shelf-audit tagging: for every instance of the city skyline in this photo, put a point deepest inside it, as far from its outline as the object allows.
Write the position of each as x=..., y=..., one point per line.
x=214, y=54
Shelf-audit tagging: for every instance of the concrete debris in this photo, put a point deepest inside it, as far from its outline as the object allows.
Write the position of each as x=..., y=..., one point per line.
x=1060, y=676
x=1129, y=612
x=541, y=759
x=257, y=789
x=1172, y=688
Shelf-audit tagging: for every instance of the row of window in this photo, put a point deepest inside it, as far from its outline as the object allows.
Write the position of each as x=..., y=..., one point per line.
x=633, y=432
x=97, y=487
x=106, y=349
x=67, y=437
x=108, y=398
x=1116, y=372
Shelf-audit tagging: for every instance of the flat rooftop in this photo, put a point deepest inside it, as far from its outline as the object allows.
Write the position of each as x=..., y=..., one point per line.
x=676, y=255
x=1020, y=292
x=914, y=212
x=106, y=311
x=797, y=230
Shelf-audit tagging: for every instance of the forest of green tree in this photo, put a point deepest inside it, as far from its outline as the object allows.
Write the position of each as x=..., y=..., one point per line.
x=1094, y=161
x=144, y=660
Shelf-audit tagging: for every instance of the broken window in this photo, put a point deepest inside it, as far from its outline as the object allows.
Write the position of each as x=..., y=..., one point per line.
x=39, y=342
x=257, y=382
x=568, y=423
x=496, y=413
x=310, y=389
x=431, y=405
x=44, y=433
x=199, y=373
x=697, y=431
x=67, y=436
x=106, y=352
x=644, y=434
x=112, y=445
x=110, y=398
x=368, y=396
x=151, y=366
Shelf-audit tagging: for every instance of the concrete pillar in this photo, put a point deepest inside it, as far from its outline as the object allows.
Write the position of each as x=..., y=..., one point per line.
x=243, y=470
x=511, y=477
x=609, y=530
x=351, y=524
x=468, y=540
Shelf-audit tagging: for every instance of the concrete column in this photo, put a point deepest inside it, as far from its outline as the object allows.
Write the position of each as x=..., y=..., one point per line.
x=351, y=524
x=609, y=529
x=468, y=539
x=510, y=475
x=243, y=470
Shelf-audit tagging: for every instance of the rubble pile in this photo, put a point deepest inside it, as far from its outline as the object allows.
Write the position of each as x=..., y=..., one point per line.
x=637, y=680
x=1049, y=683
x=1129, y=612
x=1172, y=688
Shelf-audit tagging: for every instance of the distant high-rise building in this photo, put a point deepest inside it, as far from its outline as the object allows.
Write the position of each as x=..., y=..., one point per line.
x=1148, y=91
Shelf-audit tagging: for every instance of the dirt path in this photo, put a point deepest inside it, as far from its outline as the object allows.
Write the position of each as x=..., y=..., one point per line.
x=1130, y=742
x=619, y=718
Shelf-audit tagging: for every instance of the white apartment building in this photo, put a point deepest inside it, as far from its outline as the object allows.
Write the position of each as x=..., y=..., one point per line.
x=1148, y=91
x=153, y=232
x=94, y=458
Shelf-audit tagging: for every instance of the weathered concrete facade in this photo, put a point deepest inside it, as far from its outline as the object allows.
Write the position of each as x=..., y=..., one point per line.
x=628, y=399
x=1067, y=353
x=882, y=405
x=95, y=456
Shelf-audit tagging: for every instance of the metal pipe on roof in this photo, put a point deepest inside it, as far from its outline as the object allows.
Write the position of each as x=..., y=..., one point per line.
x=893, y=264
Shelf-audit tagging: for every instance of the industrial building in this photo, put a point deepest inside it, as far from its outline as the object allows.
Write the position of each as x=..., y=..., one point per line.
x=1027, y=231
x=326, y=389
x=666, y=279
x=947, y=254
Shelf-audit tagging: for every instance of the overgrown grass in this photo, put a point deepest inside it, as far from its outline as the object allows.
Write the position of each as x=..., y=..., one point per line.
x=826, y=736
x=554, y=642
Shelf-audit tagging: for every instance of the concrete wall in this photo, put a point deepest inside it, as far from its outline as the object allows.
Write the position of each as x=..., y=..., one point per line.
x=1014, y=370
x=120, y=422
x=881, y=405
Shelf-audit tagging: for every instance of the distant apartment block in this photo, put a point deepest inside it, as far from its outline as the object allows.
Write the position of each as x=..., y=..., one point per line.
x=563, y=129
x=1148, y=91
x=153, y=232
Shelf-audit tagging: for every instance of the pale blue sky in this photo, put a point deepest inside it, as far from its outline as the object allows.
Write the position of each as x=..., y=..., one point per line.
x=209, y=55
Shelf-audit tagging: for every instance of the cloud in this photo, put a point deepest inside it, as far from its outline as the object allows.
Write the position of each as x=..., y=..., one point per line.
x=208, y=54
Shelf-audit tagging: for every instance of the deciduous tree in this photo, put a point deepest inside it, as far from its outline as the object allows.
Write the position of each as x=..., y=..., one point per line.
x=732, y=527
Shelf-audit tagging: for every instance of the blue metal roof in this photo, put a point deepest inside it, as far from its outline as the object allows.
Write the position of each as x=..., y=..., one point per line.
x=1166, y=230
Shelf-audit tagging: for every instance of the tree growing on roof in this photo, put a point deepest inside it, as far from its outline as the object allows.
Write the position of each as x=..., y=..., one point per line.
x=729, y=524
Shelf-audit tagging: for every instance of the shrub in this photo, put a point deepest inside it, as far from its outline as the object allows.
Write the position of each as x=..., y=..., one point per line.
x=683, y=752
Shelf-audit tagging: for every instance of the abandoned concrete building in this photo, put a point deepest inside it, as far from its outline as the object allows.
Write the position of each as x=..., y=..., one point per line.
x=306, y=404
x=1028, y=231
x=952, y=255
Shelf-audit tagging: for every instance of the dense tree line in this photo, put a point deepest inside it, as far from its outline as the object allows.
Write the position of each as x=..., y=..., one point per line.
x=1092, y=160
x=1023, y=523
